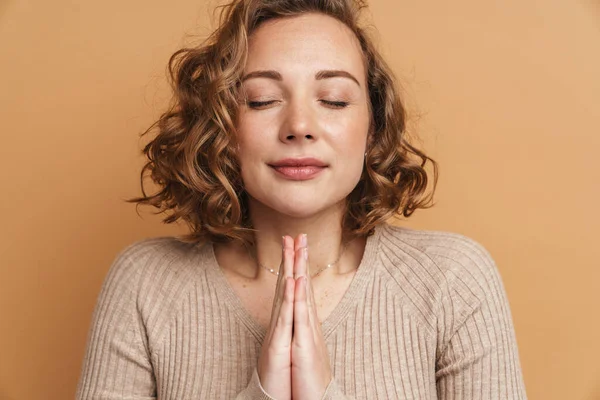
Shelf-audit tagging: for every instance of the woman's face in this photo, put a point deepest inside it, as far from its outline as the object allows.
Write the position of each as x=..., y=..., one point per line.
x=305, y=97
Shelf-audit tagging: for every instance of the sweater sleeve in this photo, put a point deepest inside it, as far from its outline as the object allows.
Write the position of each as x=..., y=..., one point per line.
x=477, y=355
x=117, y=362
x=254, y=390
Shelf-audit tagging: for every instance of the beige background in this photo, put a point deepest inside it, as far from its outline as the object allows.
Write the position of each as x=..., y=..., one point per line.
x=505, y=94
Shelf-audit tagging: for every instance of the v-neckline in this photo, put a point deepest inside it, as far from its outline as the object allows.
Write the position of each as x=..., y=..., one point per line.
x=349, y=298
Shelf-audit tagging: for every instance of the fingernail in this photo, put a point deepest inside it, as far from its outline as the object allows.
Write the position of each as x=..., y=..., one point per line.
x=303, y=240
x=283, y=242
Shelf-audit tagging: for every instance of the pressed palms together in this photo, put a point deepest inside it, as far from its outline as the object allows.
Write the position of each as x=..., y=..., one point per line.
x=294, y=362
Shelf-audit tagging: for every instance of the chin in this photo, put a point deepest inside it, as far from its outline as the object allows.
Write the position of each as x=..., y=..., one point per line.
x=300, y=207
x=299, y=203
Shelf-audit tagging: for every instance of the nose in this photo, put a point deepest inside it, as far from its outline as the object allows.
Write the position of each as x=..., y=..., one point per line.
x=300, y=123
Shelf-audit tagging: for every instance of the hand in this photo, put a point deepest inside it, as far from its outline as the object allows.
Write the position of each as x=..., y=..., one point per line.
x=311, y=370
x=274, y=362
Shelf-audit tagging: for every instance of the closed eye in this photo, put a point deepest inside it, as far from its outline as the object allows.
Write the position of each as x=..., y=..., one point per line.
x=335, y=104
x=257, y=105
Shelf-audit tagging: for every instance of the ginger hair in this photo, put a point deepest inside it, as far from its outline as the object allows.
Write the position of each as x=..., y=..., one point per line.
x=192, y=159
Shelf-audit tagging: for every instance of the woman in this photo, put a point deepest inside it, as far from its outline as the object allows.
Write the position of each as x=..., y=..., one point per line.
x=286, y=147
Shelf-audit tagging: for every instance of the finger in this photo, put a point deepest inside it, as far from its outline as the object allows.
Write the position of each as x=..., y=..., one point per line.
x=280, y=288
x=298, y=242
x=310, y=299
x=282, y=333
x=302, y=269
x=287, y=265
x=301, y=266
x=301, y=256
x=301, y=317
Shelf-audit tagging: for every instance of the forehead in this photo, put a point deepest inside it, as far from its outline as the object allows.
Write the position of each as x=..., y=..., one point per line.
x=305, y=43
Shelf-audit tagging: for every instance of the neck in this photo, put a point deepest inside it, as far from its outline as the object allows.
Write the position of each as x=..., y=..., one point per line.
x=324, y=237
x=323, y=230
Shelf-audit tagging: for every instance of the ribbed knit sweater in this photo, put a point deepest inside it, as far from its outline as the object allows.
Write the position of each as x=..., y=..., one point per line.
x=425, y=317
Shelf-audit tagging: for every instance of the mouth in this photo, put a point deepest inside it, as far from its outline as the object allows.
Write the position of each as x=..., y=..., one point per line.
x=298, y=173
x=298, y=169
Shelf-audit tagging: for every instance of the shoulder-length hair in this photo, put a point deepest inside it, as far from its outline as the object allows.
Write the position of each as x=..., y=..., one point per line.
x=193, y=157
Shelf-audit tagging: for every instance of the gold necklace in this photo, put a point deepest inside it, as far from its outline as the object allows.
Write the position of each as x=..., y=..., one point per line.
x=271, y=270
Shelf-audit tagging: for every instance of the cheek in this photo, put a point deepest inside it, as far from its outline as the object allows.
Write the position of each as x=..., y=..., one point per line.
x=253, y=130
x=350, y=134
x=250, y=138
x=350, y=146
x=351, y=164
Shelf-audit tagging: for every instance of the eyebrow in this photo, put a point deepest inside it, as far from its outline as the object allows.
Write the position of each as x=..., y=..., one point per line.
x=335, y=73
x=325, y=74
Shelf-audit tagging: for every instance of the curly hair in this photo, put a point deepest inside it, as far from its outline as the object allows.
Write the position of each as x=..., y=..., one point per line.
x=193, y=158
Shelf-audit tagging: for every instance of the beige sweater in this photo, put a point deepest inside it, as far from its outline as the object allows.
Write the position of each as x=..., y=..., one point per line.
x=425, y=317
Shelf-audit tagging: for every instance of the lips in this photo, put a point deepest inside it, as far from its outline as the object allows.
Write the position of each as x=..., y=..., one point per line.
x=299, y=162
x=298, y=169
